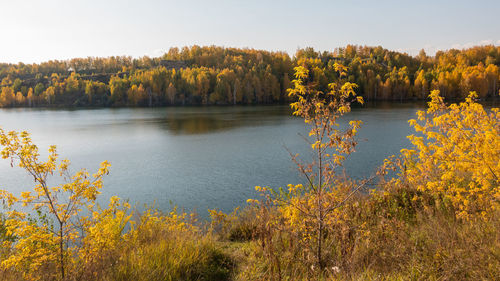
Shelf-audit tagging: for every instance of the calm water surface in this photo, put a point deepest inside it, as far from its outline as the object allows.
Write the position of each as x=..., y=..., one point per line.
x=194, y=157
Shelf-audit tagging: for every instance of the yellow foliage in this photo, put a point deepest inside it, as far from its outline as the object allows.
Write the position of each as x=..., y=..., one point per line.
x=45, y=233
x=308, y=211
x=457, y=154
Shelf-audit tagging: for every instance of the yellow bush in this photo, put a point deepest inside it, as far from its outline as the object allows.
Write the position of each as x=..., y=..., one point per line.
x=457, y=156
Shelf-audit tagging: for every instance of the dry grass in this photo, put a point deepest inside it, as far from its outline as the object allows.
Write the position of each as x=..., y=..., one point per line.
x=387, y=237
x=384, y=236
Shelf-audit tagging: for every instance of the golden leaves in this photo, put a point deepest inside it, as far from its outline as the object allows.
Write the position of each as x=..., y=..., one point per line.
x=37, y=239
x=458, y=154
x=302, y=208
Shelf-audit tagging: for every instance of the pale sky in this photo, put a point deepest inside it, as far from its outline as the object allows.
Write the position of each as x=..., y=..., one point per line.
x=35, y=31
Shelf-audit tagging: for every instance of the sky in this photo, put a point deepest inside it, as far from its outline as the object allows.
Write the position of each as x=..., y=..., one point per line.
x=42, y=30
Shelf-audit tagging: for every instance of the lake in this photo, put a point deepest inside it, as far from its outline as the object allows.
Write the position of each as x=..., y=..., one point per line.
x=195, y=157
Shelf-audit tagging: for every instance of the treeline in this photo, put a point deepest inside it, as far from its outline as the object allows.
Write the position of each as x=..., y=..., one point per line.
x=217, y=75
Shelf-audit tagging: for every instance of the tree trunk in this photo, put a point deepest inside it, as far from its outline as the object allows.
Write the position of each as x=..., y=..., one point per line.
x=61, y=251
x=320, y=242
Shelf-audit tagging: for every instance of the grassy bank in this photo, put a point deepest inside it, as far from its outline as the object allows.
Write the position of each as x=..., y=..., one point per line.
x=384, y=236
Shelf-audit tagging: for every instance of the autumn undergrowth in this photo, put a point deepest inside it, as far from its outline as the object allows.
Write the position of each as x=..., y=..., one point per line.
x=383, y=241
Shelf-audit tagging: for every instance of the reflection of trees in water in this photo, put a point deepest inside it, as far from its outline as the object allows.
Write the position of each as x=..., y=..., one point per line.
x=180, y=123
x=392, y=105
x=199, y=125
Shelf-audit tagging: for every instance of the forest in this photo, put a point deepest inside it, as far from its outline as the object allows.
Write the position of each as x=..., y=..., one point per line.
x=225, y=76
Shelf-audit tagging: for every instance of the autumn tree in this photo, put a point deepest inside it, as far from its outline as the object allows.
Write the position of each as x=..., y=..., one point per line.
x=20, y=99
x=171, y=92
x=118, y=89
x=203, y=85
x=7, y=97
x=30, y=97
x=136, y=95
x=309, y=209
x=49, y=95
x=40, y=243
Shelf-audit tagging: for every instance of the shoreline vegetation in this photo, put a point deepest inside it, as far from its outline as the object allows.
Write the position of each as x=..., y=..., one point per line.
x=437, y=218
x=226, y=76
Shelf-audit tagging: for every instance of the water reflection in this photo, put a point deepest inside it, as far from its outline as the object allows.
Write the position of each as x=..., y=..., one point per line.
x=190, y=125
x=196, y=120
